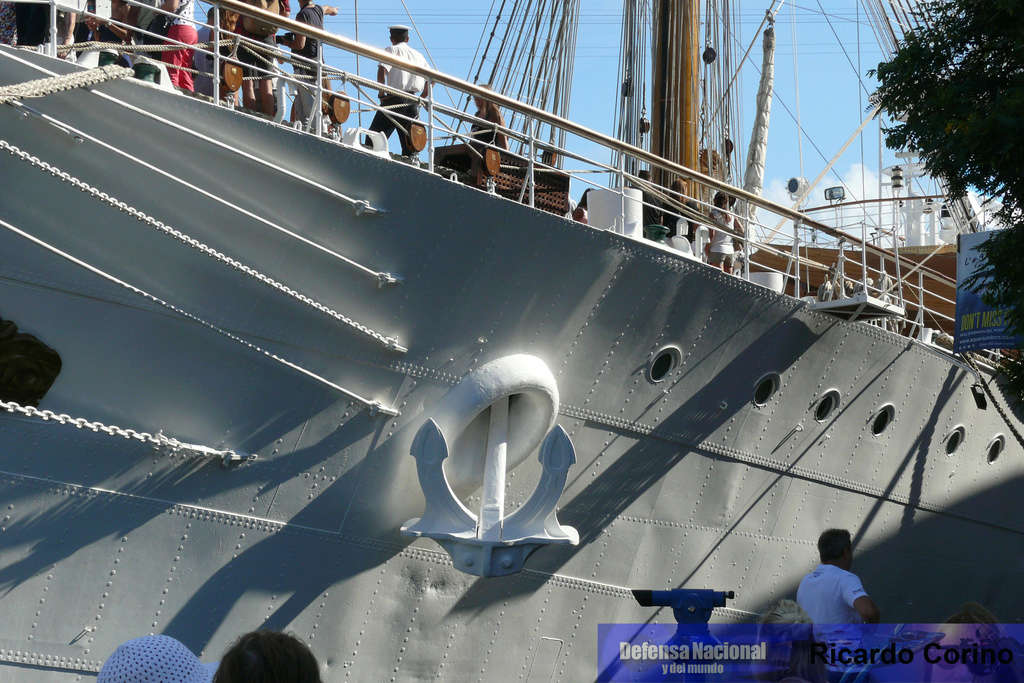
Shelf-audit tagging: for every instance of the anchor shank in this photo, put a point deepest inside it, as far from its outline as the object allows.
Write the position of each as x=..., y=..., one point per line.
x=492, y=506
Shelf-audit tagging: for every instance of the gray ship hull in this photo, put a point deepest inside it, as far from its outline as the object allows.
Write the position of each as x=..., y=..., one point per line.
x=685, y=482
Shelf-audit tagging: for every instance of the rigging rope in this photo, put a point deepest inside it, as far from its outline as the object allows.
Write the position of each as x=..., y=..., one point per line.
x=796, y=88
x=534, y=59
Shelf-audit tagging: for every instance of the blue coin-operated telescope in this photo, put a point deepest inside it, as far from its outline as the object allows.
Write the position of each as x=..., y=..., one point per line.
x=692, y=607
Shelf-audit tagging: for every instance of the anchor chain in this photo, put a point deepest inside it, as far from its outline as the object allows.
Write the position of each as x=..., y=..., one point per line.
x=160, y=440
x=389, y=342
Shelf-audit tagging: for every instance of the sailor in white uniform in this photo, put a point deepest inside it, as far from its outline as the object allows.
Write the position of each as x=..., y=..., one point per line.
x=399, y=112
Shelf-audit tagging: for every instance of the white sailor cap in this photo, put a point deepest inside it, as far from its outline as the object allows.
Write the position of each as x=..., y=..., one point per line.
x=399, y=27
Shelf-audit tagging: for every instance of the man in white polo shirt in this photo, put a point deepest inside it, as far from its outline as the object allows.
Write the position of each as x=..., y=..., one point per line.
x=832, y=594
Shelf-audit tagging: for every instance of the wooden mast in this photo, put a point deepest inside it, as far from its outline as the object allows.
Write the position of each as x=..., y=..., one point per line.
x=675, y=93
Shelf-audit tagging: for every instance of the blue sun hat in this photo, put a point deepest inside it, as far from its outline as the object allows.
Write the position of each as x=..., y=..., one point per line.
x=155, y=659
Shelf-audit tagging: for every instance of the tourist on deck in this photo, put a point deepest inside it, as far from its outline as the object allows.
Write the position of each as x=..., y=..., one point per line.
x=106, y=31
x=484, y=136
x=652, y=213
x=831, y=594
x=580, y=212
x=268, y=657
x=32, y=23
x=399, y=112
x=312, y=14
x=181, y=30
x=721, y=253
x=258, y=95
x=140, y=16
x=154, y=658
x=203, y=62
x=481, y=132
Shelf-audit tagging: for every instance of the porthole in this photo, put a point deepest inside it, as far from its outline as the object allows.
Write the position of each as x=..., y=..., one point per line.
x=955, y=439
x=882, y=419
x=995, y=448
x=765, y=388
x=663, y=364
x=826, y=405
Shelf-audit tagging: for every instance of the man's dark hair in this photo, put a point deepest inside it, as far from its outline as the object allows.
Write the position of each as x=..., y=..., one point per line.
x=833, y=543
x=268, y=657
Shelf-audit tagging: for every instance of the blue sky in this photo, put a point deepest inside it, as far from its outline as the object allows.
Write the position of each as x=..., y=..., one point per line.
x=828, y=77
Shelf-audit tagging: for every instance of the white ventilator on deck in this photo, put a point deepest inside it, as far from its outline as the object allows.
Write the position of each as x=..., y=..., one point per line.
x=621, y=213
x=753, y=178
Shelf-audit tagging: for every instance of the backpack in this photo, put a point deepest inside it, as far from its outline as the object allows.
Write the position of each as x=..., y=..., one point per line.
x=257, y=28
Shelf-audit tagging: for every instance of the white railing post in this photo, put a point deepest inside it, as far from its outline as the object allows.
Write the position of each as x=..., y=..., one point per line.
x=746, y=245
x=318, y=106
x=216, y=56
x=864, y=259
x=622, y=190
x=920, y=300
x=533, y=154
x=796, y=259
x=52, y=47
x=430, y=126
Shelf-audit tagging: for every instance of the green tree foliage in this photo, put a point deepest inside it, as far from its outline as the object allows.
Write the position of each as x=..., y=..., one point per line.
x=955, y=88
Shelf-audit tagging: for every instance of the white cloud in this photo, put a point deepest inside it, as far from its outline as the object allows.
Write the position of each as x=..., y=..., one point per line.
x=858, y=182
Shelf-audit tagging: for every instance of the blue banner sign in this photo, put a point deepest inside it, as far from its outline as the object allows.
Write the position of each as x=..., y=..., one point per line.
x=727, y=653
x=978, y=325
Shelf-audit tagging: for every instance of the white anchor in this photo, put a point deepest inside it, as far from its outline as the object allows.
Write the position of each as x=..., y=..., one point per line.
x=492, y=544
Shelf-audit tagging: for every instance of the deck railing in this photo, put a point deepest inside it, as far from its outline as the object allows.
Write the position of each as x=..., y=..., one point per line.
x=923, y=291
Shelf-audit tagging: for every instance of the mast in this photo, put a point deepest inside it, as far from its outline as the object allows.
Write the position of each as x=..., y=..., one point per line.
x=675, y=91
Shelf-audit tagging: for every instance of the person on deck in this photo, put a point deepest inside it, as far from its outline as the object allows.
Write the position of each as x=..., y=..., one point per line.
x=721, y=253
x=32, y=23
x=258, y=95
x=832, y=594
x=202, y=61
x=484, y=136
x=181, y=30
x=580, y=212
x=104, y=31
x=481, y=132
x=312, y=14
x=652, y=213
x=399, y=112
